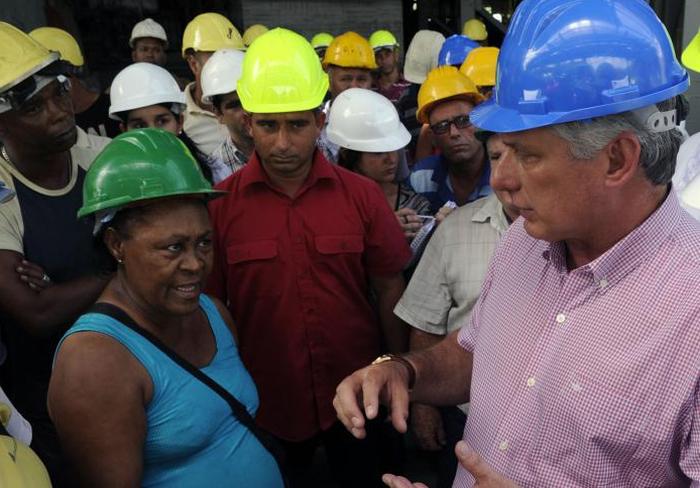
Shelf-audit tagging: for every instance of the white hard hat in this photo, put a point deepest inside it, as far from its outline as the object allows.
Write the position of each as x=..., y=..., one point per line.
x=220, y=73
x=142, y=85
x=422, y=55
x=686, y=179
x=363, y=120
x=148, y=28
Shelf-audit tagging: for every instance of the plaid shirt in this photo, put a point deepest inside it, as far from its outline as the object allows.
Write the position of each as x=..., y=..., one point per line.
x=226, y=160
x=590, y=377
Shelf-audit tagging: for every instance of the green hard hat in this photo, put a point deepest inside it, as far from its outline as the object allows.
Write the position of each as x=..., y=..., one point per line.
x=142, y=164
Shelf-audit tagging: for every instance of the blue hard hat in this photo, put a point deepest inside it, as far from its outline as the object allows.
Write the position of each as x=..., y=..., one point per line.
x=455, y=49
x=566, y=60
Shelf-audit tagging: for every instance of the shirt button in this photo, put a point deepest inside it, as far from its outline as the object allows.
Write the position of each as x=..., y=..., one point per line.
x=576, y=386
x=603, y=283
x=503, y=446
x=561, y=318
x=531, y=382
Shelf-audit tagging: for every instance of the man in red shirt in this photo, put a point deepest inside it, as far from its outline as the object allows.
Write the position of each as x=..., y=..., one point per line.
x=301, y=244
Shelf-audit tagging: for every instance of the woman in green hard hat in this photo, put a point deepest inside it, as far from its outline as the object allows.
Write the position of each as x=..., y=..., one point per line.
x=128, y=410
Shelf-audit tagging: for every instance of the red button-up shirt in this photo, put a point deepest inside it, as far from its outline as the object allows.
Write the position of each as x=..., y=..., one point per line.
x=295, y=274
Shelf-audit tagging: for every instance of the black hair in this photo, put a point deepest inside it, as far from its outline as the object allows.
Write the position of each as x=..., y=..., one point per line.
x=349, y=159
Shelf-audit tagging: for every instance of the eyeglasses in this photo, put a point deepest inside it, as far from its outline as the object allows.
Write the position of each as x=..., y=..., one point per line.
x=443, y=127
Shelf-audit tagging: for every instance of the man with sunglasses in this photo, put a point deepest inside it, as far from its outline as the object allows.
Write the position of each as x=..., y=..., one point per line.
x=460, y=172
x=46, y=254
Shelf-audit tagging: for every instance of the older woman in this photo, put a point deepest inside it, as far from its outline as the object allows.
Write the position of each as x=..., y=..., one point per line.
x=128, y=410
x=366, y=126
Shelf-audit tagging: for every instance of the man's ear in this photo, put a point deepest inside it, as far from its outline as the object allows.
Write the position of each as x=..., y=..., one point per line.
x=320, y=117
x=114, y=243
x=193, y=64
x=248, y=123
x=622, y=154
x=133, y=55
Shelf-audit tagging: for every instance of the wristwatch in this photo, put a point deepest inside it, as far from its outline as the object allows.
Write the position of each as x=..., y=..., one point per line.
x=407, y=364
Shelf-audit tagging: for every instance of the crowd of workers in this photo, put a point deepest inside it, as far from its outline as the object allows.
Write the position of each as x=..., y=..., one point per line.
x=314, y=244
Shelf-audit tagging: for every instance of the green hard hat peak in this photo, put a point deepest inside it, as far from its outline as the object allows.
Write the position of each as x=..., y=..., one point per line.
x=139, y=165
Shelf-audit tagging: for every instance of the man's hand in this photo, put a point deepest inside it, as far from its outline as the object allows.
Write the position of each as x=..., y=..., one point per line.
x=33, y=275
x=409, y=222
x=442, y=214
x=359, y=395
x=484, y=475
x=426, y=423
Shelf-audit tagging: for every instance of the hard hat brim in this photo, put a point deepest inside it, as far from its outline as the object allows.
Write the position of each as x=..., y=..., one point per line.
x=393, y=142
x=492, y=117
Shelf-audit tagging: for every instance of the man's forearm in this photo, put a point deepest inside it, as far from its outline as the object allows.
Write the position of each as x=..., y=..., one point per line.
x=443, y=373
x=59, y=305
x=395, y=330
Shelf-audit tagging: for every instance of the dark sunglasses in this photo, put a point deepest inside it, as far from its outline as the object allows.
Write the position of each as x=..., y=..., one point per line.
x=443, y=127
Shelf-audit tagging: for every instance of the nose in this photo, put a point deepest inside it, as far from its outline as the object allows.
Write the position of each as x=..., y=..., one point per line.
x=504, y=174
x=282, y=141
x=192, y=262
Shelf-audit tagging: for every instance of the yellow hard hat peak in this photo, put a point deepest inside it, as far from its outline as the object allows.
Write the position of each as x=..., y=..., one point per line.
x=20, y=56
x=210, y=32
x=480, y=65
x=58, y=40
x=322, y=39
x=475, y=30
x=281, y=73
x=253, y=32
x=382, y=39
x=444, y=83
x=350, y=50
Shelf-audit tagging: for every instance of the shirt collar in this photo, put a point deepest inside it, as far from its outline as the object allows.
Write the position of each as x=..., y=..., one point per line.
x=191, y=106
x=629, y=251
x=255, y=173
x=492, y=212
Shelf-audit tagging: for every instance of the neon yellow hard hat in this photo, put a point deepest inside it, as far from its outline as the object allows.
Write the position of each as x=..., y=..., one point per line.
x=281, y=73
x=382, y=39
x=20, y=57
x=445, y=83
x=252, y=33
x=322, y=39
x=350, y=50
x=691, y=54
x=480, y=65
x=475, y=30
x=60, y=41
x=210, y=32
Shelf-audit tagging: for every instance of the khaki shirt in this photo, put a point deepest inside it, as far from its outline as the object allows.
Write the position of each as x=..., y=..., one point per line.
x=202, y=125
x=91, y=141
x=447, y=281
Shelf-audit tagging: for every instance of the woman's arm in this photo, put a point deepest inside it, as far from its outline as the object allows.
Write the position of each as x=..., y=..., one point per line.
x=97, y=398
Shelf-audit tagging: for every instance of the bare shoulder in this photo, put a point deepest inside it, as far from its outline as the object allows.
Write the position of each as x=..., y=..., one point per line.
x=96, y=367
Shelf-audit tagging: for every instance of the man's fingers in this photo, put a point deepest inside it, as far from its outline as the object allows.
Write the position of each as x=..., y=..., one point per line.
x=394, y=481
x=347, y=406
x=399, y=405
x=473, y=462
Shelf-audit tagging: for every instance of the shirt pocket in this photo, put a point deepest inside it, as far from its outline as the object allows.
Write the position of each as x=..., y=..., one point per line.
x=597, y=432
x=340, y=255
x=255, y=267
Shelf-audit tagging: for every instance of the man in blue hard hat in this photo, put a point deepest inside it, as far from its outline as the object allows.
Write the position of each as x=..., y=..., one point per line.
x=580, y=357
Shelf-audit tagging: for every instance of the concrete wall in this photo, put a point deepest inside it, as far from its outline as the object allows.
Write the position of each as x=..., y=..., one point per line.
x=312, y=16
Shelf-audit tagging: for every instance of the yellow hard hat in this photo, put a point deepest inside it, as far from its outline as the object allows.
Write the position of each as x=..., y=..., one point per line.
x=382, y=39
x=60, y=41
x=480, y=65
x=281, y=73
x=253, y=32
x=691, y=54
x=350, y=50
x=20, y=467
x=20, y=57
x=444, y=83
x=210, y=32
x=475, y=30
x=322, y=39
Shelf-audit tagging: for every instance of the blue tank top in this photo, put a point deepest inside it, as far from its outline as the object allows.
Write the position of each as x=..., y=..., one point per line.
x=192, y=438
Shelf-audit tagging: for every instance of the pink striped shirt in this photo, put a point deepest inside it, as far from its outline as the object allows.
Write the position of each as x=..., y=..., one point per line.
x=590, y=377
